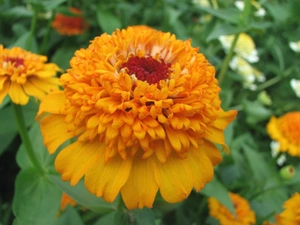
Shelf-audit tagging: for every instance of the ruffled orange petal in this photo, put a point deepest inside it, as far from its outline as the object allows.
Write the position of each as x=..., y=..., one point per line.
x=54, y=131
x=224, y=118
x=34, y=91
x=4, y=91
x=52, y=103
x=211, y=152
x=77, y=158
x=105, y=178
x=141, y=187
x=17, y=94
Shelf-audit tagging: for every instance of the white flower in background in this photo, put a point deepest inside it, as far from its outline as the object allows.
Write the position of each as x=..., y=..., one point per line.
x=296, y=86
x=295, y=46
x=249, y=74
x=275, y=150
x=261, y=12
x=245, y=46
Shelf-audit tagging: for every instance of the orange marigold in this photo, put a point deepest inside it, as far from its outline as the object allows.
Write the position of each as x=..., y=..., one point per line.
x=24, y=74
x=244, y=214
x=291, y=213
x=286, y=131
x=70, y=25
x=145, y=110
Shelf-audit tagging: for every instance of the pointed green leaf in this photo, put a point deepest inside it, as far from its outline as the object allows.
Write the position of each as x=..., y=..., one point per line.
x=69, y=216
x=107, y=20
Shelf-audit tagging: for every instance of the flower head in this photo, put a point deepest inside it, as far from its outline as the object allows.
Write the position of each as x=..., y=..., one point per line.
x=244, y=214
x=70, y=25
x=296, y=86
x=286, y=131
x=145, y=110
x=291, y=213
x=295, y=46
x=24, y=74
x=245, y=46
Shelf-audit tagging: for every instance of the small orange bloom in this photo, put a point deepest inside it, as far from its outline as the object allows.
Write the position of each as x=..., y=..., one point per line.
x=24, y=74
x=65, y=201
x=145, y=113
x=286, y=131
x=244, y=214
x=70, y=25
x=291, y=213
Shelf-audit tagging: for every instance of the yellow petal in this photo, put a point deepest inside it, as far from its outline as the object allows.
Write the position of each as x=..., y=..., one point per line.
x=141, y=187
x=211, y=152
x=2, y=81
x=224, y=118
x=52, y=103
x=4, y=91
x=106, y=178
x=74, y=161
x=54, y=131
x=175, y=178
x=34, y=91
x=216, y=136
x=17, y=94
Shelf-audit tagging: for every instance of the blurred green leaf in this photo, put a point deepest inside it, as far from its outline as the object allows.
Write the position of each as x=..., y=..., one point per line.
x=107, y=219
x=229, y=14
x=63, y=56
x=5, y=140
x=22, y=42
x=143, y=216
x=256, y=112
x=222, y=28
x=36, y=200
x=16, y=12
x=69, y=216
x=83, y=197
x=107, y=21
x=46, y=160
x=279, y=11
x=218, y=191
x=44, y=5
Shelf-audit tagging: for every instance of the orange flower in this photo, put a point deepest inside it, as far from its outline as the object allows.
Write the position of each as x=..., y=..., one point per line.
x=145, y=110
x=244, y=214
x=291, y=213
x=286, y=131
x=65, y=201
x=24, y=74
x=70, y=25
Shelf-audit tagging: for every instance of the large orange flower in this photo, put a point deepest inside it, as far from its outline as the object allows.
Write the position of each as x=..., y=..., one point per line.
x=244, y=214
x=145, y=111
x=24, y=74
x=291, y=213
x=286, y=131
x=70, y=25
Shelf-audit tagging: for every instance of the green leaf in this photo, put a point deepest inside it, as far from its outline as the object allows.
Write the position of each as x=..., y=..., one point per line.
x=224, y=29
x=107, y=21
x=255, y=112
x=107, y=219
x=45, y=5
x=216, y=190
x=63, y=56
x=81, y=195
x=22, y=42
x=69, y=216
x=230, y=14
x=143, y=216
x=46, y=160
x=17, y=12
x=5, y=140
x=36, y=200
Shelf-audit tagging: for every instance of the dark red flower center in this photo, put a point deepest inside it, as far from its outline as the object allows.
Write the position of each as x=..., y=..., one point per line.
x=147, y=69
x=15, y=61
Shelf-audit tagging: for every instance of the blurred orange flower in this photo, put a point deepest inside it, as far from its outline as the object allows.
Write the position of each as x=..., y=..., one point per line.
x=145, y=110
x=65, y=201
x=291, y=213
x=286, y=131
x=244, y=214
x=70, y=25
x=24, y=74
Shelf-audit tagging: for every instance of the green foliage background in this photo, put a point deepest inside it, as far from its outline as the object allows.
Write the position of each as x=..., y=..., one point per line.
x=29, y=198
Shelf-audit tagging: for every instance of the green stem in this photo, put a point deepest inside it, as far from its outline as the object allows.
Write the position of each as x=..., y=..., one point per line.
x=32, y=30
x=227, y=60
x=25, y=138
x=46, y=36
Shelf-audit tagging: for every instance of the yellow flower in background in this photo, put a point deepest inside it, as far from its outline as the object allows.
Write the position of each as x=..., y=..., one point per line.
x=286, y=131
x=145, y=110
x=295, y=46
x=24, y=74
x=249, y=74
x=65, y=201
x=70, y=25
x=291, y=213
x=296, y=86
x=245, y=46
x=244, y=214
